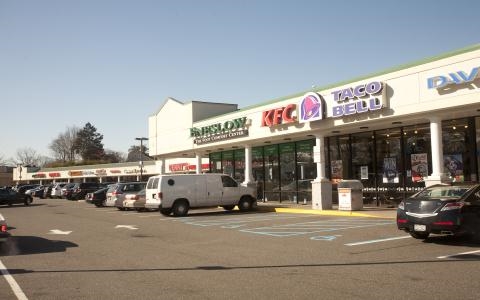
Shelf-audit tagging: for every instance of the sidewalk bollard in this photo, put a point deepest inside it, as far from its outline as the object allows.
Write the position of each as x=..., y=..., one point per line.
x=304, y=201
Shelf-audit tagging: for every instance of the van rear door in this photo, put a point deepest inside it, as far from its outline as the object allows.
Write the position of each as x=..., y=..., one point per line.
x=151, y=193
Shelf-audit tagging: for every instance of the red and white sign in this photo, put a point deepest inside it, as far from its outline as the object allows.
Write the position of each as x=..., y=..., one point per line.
x=277, y=116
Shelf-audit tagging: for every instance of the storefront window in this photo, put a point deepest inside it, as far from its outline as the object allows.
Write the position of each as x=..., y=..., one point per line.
x=287, y=171
x=306, y=169
x=339, y=154
x=272, y=172
x=227, y=163
x=216, y=162
x=418, y=156
x=258, y=170
x=239, y=165
x=477, y=134
x=389, y=166
x=458, y=153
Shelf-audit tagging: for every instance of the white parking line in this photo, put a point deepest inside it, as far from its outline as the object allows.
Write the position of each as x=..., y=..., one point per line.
x=13, y=284
x=378, y=241
x=463, y=253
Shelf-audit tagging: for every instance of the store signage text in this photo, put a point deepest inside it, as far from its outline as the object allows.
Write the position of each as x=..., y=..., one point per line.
x=221, y=137
x=75, y=173
x=39, y=175
x=220, y=131
x=458, y=77
x=54, y=174
x=277, y=116
x=219, y=127
x=351, y=100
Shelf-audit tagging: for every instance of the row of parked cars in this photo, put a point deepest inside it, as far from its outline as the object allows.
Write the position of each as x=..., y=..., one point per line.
x=123, y=195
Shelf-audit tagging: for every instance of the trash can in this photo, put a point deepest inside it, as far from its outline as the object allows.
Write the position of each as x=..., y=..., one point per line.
x=350, y=195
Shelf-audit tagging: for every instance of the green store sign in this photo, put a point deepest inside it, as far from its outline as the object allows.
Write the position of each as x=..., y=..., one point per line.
x=220, y=131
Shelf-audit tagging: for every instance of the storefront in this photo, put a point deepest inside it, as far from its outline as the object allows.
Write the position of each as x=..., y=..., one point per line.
x=395, y=131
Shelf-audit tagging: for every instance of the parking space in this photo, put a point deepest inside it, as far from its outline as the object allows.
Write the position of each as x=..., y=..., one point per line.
x=276, y=225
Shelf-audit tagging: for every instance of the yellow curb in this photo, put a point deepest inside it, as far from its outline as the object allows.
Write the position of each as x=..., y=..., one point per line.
x=327, y=213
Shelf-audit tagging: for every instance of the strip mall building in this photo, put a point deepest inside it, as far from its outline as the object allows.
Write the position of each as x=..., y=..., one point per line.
x=395, y=131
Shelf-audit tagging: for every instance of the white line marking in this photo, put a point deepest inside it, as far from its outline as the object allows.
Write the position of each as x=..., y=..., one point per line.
x=378, y=241
x=463, y=253
x=13, y=284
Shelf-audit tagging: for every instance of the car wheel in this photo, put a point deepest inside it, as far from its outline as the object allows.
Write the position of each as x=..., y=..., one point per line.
x=419, y=235
x=180, y=208
x=245, y=204
x=98, y=205
x=28, y=201
x=228, y=207
x=165, y=211
x=121, y=208
x=104, y=203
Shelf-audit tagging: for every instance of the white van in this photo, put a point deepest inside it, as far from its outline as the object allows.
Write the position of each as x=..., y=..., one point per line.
x=178, y=193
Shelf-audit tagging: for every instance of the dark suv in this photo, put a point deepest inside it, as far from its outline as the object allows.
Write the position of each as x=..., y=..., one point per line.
x=80, y=190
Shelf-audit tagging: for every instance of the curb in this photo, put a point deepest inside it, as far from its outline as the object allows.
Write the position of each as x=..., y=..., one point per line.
x=323, y=212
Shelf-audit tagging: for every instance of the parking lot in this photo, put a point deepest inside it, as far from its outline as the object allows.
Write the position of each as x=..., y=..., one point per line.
x=70, y=249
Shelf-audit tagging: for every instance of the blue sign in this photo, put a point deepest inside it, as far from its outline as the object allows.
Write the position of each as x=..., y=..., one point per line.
x=458, y=77
x=359, y=99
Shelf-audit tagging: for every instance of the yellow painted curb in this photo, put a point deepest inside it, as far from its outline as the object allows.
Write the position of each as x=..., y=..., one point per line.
x=328, y=213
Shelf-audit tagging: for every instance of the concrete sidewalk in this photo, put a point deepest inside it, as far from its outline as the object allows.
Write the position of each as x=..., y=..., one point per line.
x=367, y=211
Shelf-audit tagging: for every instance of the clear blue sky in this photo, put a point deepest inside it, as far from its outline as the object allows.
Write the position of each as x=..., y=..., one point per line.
x=113, y=63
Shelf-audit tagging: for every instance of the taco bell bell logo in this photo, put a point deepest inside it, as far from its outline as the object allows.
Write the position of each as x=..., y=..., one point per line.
x=311, y=108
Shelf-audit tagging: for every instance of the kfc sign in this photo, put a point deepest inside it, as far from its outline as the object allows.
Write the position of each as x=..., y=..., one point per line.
x=278, y=116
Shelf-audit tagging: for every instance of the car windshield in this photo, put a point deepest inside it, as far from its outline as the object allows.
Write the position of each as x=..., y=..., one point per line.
x=444, y=191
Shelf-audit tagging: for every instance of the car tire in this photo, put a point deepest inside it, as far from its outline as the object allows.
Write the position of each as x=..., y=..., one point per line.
x=120, y=208
x=228, y=207
x=180, y=208
x=165, y=211
x=245, y=204
x=419, y=235
x=28, y=201
x=98, y=205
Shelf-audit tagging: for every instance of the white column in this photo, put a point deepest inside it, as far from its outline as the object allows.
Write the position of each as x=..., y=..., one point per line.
x=248, y=166
x=199, y=163
x=319, y=158
x=321, y=186
x=437, y=175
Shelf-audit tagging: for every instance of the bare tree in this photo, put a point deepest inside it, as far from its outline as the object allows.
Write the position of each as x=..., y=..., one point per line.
x=28, y=157
x=2, y=161
x=63, y=146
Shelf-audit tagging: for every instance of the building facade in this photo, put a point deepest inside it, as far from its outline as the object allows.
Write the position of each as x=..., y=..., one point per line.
x=395, y=132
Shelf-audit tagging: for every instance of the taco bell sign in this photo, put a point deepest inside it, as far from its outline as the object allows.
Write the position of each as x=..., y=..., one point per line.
x=311, y=108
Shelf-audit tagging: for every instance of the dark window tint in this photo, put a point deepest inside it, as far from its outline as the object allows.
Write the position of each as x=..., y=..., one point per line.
x=229, y=182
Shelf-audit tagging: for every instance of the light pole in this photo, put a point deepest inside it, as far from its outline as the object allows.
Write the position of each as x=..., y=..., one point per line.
x=141, y=139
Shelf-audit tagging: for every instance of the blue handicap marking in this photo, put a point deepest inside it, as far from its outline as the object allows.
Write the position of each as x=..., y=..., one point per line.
x=324, y=238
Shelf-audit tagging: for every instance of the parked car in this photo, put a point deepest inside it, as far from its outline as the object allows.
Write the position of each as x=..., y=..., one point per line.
x=31, y=188
x=4, y=234
x=80, y=190
x=47, y=191
x=442, y=209
x=98, y=198
x=67, y=190
x=10, y=197
x=57, y=189
x=116, y=193
x=135, y=201
x=38, y=192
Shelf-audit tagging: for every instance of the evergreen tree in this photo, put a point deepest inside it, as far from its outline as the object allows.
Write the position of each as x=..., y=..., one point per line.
x=89, y=143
